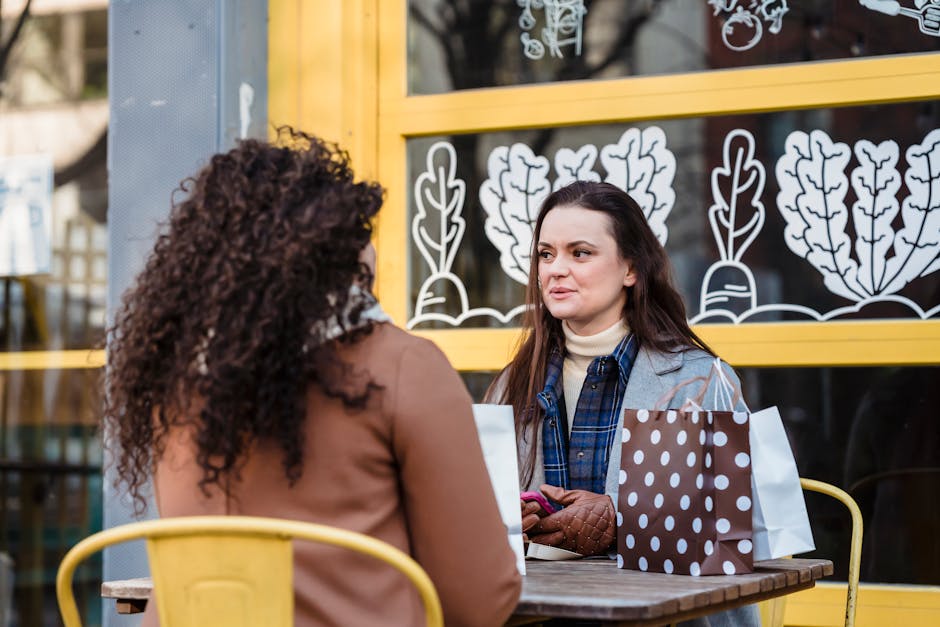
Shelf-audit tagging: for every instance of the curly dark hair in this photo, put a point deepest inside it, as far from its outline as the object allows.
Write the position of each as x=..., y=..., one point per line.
x=216, y=332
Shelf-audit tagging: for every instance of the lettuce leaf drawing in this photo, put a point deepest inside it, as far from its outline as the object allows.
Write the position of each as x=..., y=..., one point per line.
x=439, y=190
x=574, y=166
x=917, y=244
x=811, y=176
x=640, y=164
x=876, y=182
x=517, y=184
x=737, y=213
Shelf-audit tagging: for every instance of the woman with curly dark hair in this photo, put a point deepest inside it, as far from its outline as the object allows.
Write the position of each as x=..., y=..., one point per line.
x=252, y=372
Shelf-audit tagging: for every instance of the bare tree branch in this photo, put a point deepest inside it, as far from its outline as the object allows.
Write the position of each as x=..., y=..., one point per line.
x=14, y=35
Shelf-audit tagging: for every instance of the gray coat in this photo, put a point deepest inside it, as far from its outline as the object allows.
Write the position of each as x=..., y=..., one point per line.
x=662, y=381
x=651, y=385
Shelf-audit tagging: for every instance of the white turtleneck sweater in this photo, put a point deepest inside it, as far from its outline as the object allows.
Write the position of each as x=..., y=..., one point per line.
x=581, y=351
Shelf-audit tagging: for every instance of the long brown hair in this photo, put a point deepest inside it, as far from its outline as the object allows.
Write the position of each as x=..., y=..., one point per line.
x=654, y=309
x=215, y=334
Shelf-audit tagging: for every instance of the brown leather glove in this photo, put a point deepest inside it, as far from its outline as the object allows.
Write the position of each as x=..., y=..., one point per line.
x=585, y=525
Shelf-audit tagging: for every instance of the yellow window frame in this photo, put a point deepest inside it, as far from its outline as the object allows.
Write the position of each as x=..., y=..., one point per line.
x=339, y=69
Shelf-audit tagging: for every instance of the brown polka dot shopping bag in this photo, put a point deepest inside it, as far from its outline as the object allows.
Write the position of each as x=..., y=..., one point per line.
x=684, y=503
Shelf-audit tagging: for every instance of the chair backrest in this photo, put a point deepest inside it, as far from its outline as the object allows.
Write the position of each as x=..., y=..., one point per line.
x=772, y=610
x=855, y=548
x=230, y=570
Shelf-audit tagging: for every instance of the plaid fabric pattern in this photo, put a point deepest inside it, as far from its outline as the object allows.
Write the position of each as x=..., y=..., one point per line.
x=579, y=461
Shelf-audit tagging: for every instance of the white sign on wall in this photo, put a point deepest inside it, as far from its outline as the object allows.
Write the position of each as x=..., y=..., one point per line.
x=25, y=215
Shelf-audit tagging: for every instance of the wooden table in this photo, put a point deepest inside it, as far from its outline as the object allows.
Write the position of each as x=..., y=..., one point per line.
x=598, y=590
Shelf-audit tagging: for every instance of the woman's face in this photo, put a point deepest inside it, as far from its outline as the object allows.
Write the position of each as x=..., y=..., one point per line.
x=582, y=276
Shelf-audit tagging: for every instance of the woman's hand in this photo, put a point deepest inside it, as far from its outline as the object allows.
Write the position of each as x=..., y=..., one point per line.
x=531, y=512
x=585, y=525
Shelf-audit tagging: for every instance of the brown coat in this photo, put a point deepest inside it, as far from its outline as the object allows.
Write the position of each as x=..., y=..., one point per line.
x=407, y=470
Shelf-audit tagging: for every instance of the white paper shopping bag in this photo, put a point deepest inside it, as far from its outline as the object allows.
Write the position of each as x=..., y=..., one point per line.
x=497, y=431
x=781, y=525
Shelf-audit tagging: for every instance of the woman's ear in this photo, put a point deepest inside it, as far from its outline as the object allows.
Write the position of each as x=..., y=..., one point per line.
x=629, y=278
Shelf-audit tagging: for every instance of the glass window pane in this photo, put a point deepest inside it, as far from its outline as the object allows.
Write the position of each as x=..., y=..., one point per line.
x=50, y=485
x=835, y=212
x=490, y=43
x=874, y=433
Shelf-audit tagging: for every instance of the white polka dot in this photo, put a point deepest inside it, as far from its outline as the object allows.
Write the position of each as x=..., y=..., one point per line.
x=674, y=479
x=655, y=436
x=710, y=419
x=642, y=564
x=619, y=560
x=625, y=436
x=745, y=546
x=723, y=525
x=721, y=482
x=708, y=503
x=642, y=521
x=682, y=546
x=694, y=569
x=642, y=415
x=701, y=438
x=720, y=438
x=740, y=417
x=664, y=458
x=654, y=543
x=619, y=519
x=667, y=567
x=671, y=416
x=694, y=417
x=697, y=525
x=685, y=502
x=681, y=437
x=728, y=567
x=631, y=499
x=669, y=523
x=708, y=460
x=741, y=460
x=630, y=541
x=709, y=547
x=649, y=478
x=623, y=476
x=690, y=459
x=743, y=503
x=699, y=481
x=638, y=457
x=658, y=501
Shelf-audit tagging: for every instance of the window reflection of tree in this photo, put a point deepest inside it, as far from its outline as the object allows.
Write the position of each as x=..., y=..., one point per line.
x=480, y=46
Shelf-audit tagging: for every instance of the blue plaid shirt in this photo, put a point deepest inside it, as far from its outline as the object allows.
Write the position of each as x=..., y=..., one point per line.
x=579, y=461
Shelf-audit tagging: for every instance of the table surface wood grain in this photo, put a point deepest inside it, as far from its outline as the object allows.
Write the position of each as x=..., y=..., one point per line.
x=596, y=589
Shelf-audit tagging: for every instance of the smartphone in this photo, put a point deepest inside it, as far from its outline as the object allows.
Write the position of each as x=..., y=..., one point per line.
x=539, y=498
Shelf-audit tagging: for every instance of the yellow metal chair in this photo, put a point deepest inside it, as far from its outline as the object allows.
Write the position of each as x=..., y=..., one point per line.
x=230, y=570
x=772, y=611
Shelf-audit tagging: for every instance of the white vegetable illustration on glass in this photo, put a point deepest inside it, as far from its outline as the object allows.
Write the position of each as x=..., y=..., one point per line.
x=564, y=26
x=511, y=197
x=742, y=26
x=865, y=253
x=811, y=175
x=736, y=217
x=641, y=165
x=437, y=230
x=925, y=12
x=811, y=199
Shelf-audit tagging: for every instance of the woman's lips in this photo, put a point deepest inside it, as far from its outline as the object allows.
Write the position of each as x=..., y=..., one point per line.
x=560, y=292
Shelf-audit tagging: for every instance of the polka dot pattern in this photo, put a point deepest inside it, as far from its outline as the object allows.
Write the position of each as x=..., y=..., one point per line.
x=684, y=502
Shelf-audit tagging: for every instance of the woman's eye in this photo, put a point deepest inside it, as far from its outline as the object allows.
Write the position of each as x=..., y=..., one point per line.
x=544, y=254
x=581, y=253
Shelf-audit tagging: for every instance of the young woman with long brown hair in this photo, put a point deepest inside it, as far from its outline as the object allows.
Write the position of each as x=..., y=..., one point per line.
x=607, y=330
